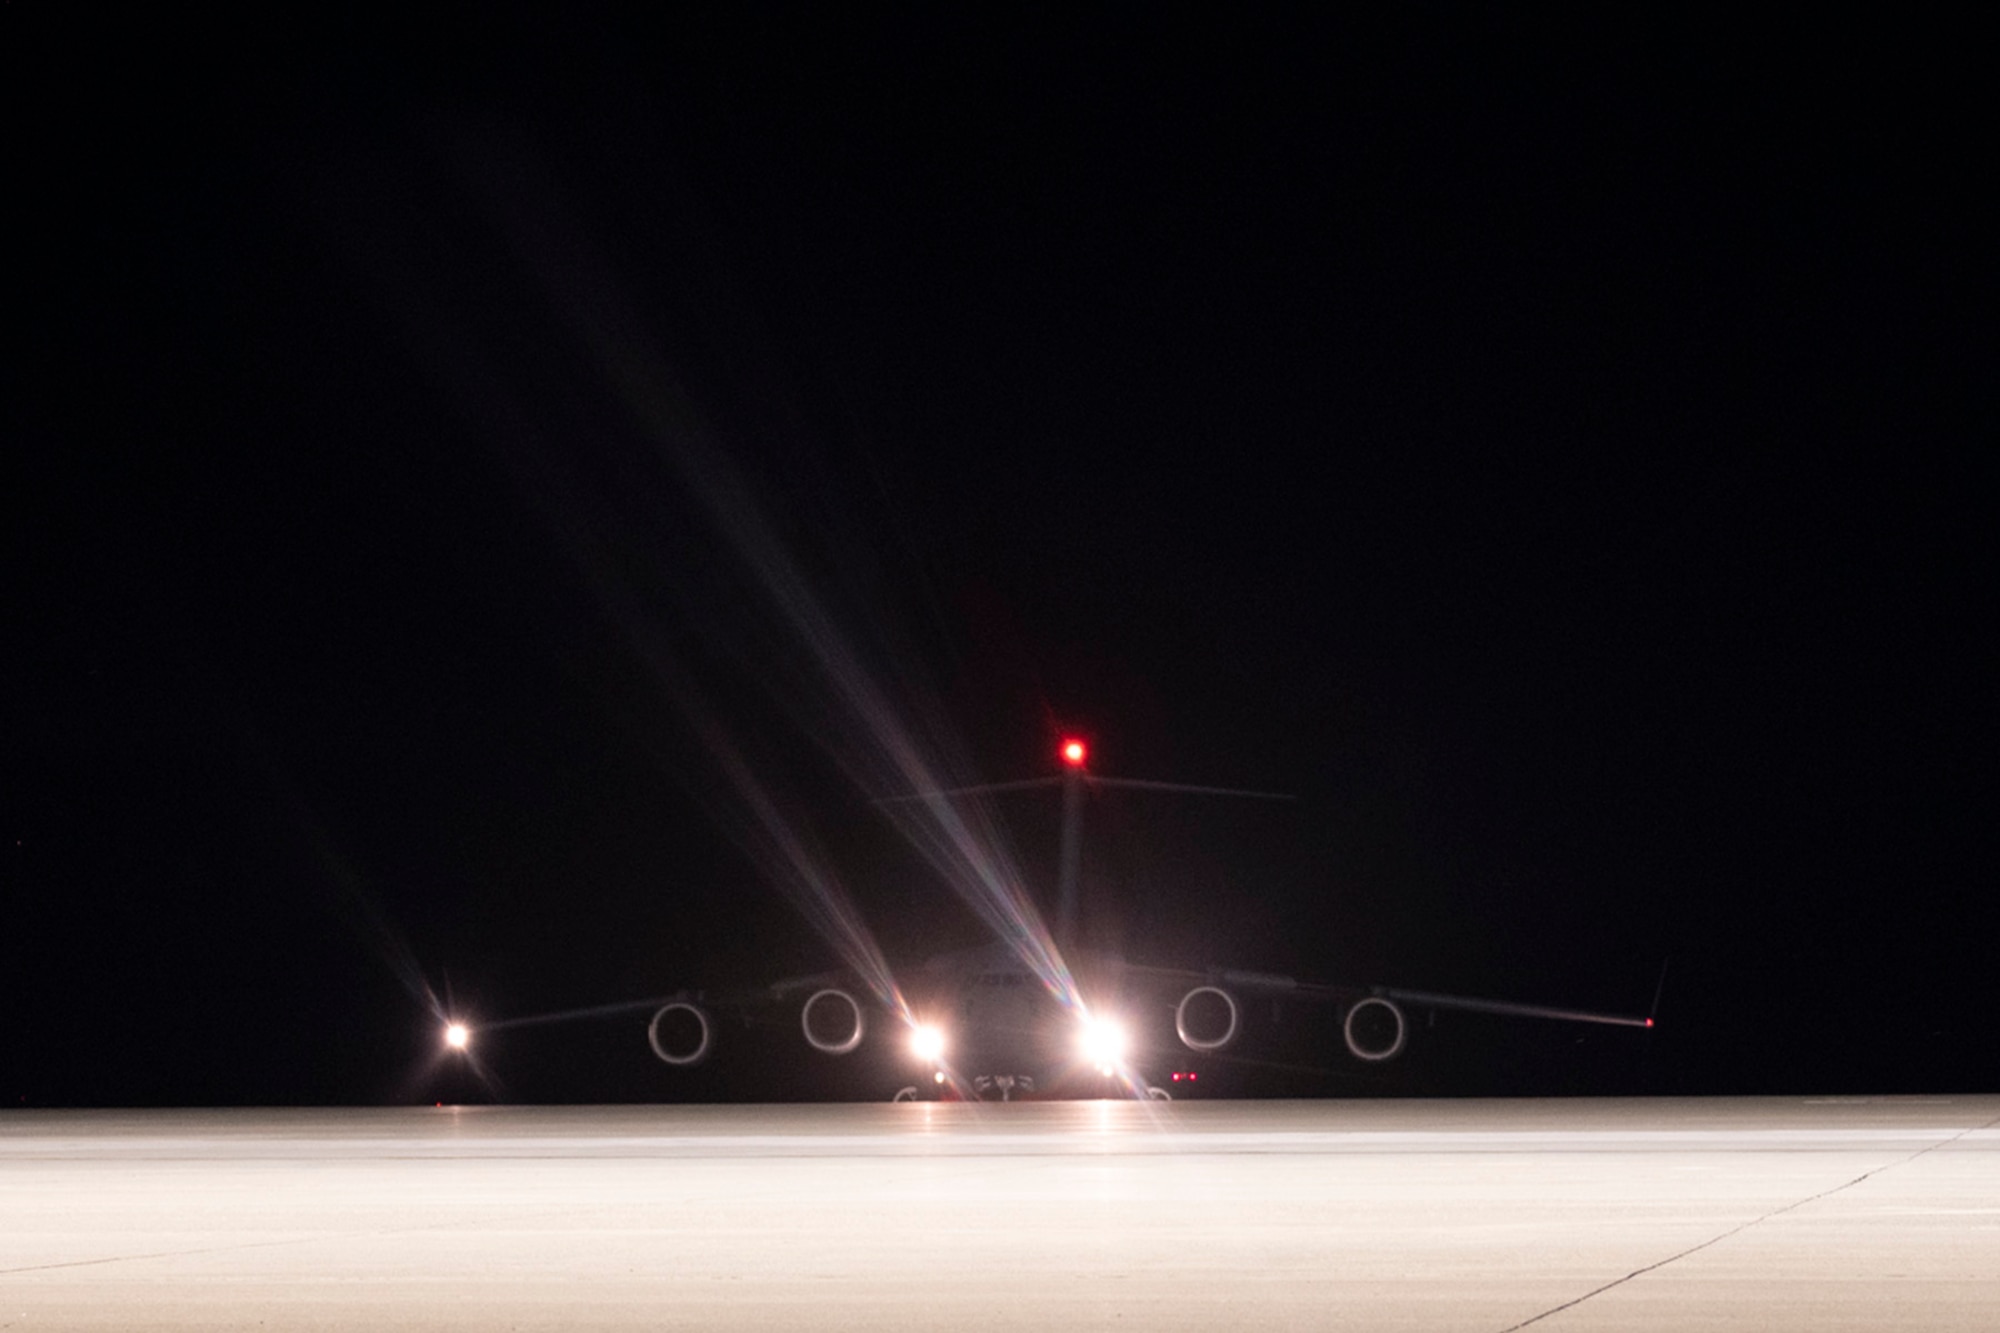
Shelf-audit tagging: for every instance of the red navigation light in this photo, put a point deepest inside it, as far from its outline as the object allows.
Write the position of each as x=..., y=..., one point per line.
x=1073, y=753
x=1649, y=1022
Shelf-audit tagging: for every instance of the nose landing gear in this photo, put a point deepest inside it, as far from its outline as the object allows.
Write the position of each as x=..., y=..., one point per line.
x=1004, y=1084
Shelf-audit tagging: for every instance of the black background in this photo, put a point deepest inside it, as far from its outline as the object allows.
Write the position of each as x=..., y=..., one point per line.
x=1560, y=456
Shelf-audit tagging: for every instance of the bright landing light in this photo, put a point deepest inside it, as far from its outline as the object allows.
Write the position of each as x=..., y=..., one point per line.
x=457, y=1036
x=1104, y=1043
x=928, y=1043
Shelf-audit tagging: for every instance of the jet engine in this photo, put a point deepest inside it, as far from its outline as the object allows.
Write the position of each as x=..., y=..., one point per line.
x=1207, y=1018
x=680, y=1033
x=833, y=1021
x=1376, y=1029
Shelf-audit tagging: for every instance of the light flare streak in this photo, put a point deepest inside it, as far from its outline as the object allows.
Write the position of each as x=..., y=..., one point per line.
x=875, y=745
x=807, y=880
x=866, y=735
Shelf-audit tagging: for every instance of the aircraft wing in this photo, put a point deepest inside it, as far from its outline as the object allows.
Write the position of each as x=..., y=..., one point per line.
x=832, y=1009
x=1210, y=1014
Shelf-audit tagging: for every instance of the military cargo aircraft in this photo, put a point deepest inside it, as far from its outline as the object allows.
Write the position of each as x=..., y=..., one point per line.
x=1005, y=1021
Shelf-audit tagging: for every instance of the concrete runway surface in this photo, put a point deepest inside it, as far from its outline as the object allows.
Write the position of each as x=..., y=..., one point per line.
x=1812, y=1213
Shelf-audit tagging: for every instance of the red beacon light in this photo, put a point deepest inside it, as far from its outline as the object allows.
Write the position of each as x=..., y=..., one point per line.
x=1073, y=753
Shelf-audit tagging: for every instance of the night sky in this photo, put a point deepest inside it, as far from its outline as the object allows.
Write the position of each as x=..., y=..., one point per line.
x=1561, y=458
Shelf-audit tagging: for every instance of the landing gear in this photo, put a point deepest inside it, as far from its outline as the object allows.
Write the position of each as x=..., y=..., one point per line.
x=1004, y=1084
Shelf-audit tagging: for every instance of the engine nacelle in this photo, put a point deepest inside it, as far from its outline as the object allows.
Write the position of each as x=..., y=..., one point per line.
x=680, y=1033
x=833, y=1021
x=1207, y=1018
x=1375, y=1029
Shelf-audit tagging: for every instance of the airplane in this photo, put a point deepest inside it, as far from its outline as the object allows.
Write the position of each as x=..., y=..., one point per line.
x=1006, y=1021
